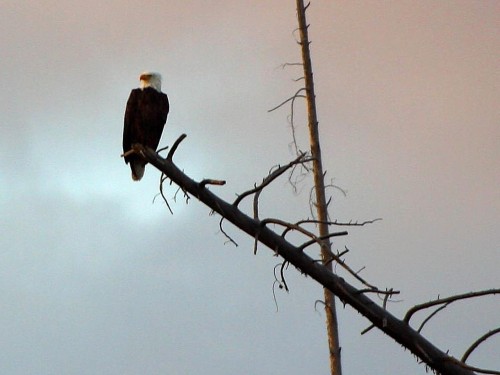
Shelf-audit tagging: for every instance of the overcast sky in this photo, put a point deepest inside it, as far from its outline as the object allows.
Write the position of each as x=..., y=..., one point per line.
x=95, y=278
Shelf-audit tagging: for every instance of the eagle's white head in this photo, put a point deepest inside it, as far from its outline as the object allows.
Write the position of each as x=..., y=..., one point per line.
x=151, y=79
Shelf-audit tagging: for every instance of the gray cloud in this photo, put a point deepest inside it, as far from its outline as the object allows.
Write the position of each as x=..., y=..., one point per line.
x=96, y=278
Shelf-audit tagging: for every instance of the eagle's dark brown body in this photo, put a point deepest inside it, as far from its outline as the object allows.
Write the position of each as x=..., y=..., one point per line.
x=145, y=117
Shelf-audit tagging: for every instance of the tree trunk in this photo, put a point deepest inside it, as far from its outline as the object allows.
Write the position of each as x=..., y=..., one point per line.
x=319, y=187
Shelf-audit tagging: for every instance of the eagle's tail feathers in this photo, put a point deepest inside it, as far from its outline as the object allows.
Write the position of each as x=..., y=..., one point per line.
x=138, y=168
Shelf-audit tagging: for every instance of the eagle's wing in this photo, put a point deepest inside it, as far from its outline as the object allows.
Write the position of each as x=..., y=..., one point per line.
x=165, y=107
x=130, y=122
x=157, y=116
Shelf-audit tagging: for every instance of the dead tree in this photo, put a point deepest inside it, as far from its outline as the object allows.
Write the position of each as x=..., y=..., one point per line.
x=319, y=189
x=297, y=255
x=357, y=298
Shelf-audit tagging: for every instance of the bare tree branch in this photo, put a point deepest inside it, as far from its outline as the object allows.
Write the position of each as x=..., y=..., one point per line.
x=186, y=195
x=209, y=181
x=283, y=66
x=336, y=222
x=314, y=239
x=479, y=370
x=229, y=238
x=175, y=145
x=162, y=180
x=162, y=149
x=447, y=301
x=292, y=98
x=384, y=306
x=318, y=240
x=271, y=177
x=288, y=226
x=478, y=342
x=281, y=282
x=430, y=317
x=399, y=330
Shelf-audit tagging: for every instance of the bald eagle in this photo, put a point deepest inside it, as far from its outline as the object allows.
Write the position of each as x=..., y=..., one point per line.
x=145, y=116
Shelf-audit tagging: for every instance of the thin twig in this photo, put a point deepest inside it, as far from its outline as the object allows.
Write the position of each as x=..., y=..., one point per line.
x=367, y=329
x=291, y=119
x=335, y=222
x=282, y=273
x=295, y=96
x=186, y=195
x=175, y=145
x=343, y=252
x=229, y=239
x=447, y=300
x=163, y=177
x=478, y=342
x=322, y=238
x=129, y=152
x=274, y=294
x=282, y=284
x=477, y=369
x=288, y=226
x=162, y=149
x=430, y=317
x=388, y=294
x=209, y=181
x=316, y=304
x=315, y=239
x=283, y=66
x=295, y=179
x=271, y=177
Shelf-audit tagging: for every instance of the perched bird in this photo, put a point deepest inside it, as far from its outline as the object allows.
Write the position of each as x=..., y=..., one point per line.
x=145, y=116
